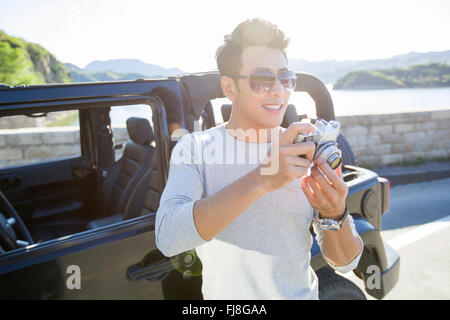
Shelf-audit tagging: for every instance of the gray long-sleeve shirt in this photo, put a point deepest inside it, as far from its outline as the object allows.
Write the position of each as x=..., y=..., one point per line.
x=265, y=252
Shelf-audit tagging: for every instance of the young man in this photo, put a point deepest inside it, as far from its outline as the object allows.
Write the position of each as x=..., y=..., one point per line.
x=250, y=220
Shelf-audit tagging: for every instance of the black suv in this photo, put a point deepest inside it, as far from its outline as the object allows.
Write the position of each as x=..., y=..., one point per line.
x=81, y=225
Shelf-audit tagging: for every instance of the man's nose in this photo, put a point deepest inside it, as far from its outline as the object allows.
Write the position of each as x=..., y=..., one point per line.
x=277, y=89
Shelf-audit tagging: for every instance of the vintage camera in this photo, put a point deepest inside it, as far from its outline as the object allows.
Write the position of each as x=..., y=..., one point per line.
x=324, y=138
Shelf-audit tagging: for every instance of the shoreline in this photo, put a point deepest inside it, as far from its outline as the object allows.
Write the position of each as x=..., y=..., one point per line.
x=375, y=88
x=379, y=112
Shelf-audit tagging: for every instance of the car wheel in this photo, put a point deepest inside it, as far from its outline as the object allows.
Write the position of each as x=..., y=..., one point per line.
x=336, y=287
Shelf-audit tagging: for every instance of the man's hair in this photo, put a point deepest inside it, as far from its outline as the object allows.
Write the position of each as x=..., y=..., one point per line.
x=250, y=33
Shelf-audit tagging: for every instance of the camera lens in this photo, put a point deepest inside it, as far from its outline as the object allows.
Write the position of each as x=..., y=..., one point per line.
x=334, y=161
x=330, y=153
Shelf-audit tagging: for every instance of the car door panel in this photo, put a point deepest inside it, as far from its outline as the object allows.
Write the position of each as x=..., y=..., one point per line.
x=114, y=261
x=39, y=192
x=103, y=257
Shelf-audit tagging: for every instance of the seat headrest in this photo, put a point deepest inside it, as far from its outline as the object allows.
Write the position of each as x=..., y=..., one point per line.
x=226, y=112
x=140, y=130
x=290, y=116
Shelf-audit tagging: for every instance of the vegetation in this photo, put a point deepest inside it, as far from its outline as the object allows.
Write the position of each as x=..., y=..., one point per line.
x=329, y=71
x=416, y=76
x=413, y=162
x=71, y=119
x=22, y=62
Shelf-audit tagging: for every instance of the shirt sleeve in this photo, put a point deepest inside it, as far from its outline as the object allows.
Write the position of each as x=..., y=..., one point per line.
x=175, y=231
x=319, y=237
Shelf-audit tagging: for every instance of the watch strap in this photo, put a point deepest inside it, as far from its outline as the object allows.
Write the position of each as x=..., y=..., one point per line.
x=331, y=224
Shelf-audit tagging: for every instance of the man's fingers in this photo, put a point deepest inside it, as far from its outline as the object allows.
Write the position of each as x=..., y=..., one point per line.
x=294, y=129
x=325, y=186
x=306, y=149
x=307, y=191
x=300, y=171
x=337, y=182
x=315, y=190
x=299, y=162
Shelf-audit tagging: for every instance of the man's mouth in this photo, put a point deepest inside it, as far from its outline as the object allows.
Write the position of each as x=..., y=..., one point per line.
x=272, y=107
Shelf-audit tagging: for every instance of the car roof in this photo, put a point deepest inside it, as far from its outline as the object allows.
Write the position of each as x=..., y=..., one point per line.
x=200, y=88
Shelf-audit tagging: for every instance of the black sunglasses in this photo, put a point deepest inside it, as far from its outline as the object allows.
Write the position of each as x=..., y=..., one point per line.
x=262, y=80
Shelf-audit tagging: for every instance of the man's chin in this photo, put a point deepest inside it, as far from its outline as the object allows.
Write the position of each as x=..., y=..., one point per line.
x=275, y=123
x=267, y=122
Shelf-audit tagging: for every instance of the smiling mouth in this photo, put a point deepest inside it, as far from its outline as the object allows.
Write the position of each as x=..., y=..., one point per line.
x=273, y=107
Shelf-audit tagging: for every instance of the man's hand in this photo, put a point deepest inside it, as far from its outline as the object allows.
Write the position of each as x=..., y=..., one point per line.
x=328, y=197
x=284, y=163
x=326, y=192
x=214, y=213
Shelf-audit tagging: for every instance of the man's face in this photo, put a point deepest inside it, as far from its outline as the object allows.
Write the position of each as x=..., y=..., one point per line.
x=251, y=109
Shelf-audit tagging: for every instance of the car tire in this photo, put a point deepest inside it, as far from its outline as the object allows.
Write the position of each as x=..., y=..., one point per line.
x=348, y=157
x=336, y=287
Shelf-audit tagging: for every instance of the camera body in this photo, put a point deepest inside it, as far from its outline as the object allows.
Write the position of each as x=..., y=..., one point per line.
x=325, y=139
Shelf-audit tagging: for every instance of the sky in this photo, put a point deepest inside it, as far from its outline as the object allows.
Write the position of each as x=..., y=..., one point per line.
x=186, y=34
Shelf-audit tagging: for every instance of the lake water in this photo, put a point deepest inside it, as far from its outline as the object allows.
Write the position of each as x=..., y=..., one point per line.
x=359, y=102
x=346, y=102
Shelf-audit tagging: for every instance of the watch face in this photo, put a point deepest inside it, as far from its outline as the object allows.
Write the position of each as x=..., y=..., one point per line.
x=329, y=224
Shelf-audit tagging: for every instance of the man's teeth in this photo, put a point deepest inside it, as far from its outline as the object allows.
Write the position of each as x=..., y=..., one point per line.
x=273, y=107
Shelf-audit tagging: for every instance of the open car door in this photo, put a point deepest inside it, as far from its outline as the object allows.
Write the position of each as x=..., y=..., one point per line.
x=115, y=261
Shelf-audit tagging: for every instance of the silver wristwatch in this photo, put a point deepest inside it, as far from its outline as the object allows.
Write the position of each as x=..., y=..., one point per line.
x=331, y=224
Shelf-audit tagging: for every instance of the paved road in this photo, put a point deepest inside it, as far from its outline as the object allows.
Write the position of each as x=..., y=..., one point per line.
x=418, y=225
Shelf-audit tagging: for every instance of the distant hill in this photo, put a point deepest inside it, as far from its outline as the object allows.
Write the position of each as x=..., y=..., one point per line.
x=124, y=66
x=416, y=76
x=80, y=75
x=329, y=71
x=23, y=62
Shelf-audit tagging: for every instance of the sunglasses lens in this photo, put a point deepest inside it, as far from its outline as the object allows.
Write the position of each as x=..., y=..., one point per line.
x=261, y=82
x=288, y=79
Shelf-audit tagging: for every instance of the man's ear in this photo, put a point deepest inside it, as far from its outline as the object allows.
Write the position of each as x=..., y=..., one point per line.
x=229, y=88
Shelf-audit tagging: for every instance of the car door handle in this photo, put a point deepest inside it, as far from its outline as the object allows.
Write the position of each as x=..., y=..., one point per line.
x=152, y=272
x=81, y=168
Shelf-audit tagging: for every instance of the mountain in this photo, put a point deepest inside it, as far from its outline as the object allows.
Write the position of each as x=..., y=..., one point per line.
x=416, y=76
x=120, y=69
x=23, y=62
x=80, y=75
x=124, y=66
x=329, y=71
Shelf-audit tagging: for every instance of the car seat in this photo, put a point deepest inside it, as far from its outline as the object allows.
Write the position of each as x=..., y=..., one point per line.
x=127, y=183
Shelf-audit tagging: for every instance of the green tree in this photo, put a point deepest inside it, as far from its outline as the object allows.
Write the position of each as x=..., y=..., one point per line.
x=15, y=67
